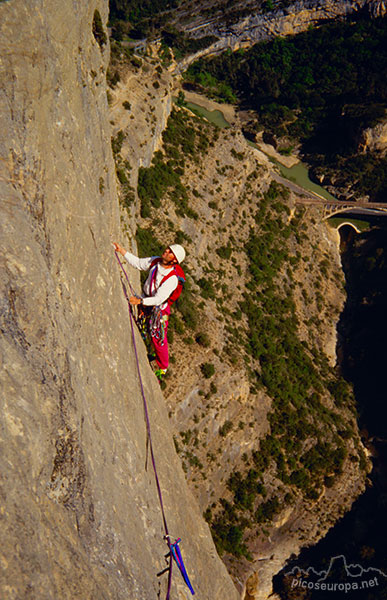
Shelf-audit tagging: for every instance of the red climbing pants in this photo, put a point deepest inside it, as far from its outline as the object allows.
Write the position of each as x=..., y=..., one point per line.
x=161, y=346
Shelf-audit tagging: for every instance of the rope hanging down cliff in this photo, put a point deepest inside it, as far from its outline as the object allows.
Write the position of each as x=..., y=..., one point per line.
x=173, y=548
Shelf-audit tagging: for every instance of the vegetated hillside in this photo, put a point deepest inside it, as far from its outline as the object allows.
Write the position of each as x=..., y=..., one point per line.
x=265, y=427
x=319, y=89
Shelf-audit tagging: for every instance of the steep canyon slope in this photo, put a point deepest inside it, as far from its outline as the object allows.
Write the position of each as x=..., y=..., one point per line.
x=79, y=511
x=254, y=337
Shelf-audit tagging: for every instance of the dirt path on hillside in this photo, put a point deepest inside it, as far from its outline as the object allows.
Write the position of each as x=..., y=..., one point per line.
x=287, y=161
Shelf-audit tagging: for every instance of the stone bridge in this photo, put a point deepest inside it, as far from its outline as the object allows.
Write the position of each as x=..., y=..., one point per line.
x=361, y=208
x=331, y=207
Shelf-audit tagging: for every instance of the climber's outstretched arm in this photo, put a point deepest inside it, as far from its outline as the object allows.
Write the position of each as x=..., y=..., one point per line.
x=143, y=264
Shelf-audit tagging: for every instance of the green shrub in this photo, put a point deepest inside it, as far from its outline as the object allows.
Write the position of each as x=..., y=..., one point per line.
x=117, y=142
x=213, y=388
x=207, y=289
x=227, y=531
x=121, y=175
x=113, y=78
x=147, y=243
x=203, y=339
x=175, y=324
x=207, y=369
x=300, y=479
x=237, y=155
x=181, y=99
x=187, y=306
x=267, y=510
x=224, y=251
x=208, y=515
x=225, y=428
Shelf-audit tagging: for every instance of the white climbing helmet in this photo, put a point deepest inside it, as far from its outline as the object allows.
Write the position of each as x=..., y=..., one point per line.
x=178, y=251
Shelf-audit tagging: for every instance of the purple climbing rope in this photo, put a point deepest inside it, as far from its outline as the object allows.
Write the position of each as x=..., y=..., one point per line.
x=167, y=536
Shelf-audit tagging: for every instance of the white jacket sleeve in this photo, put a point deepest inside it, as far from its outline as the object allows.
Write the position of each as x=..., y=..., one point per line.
x=142, y=264
x=163, y=292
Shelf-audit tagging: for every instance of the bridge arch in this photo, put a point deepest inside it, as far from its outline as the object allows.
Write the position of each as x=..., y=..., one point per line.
x=349, y=224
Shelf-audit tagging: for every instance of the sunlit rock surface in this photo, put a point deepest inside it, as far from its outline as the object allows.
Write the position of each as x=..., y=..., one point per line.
x=79, y=510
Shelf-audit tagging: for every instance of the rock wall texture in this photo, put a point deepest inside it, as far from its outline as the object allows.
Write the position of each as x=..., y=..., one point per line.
x=79, y=511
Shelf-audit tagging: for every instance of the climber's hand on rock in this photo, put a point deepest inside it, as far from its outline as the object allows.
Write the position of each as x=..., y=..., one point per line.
x=134, y=301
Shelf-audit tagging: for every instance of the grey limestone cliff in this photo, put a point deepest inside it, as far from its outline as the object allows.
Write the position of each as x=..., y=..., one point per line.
x=80, y=516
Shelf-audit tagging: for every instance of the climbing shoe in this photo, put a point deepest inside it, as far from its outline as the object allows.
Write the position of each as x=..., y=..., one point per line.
x=160, y=374
x=151, y=356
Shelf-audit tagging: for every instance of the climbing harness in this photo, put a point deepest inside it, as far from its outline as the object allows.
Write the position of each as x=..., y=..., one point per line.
x=174, y=551
x=152, y=323
x=176, y=270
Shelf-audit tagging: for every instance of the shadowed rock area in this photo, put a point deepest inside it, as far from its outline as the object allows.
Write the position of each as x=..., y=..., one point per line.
x=80, y=516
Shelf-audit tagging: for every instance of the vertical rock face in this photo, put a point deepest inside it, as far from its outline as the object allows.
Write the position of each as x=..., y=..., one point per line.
x=79, y=510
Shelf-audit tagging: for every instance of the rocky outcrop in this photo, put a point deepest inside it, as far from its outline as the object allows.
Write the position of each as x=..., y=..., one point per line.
x=289, y=21
x=377, y=8
x=374, y=139
x=80, y=516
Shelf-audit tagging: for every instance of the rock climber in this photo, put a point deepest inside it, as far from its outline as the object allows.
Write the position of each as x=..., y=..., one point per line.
x=162, y=287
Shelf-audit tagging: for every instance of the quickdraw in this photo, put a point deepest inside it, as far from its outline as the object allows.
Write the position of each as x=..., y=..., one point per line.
x=175, y=553
x=180, y=563
x=142, y=324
